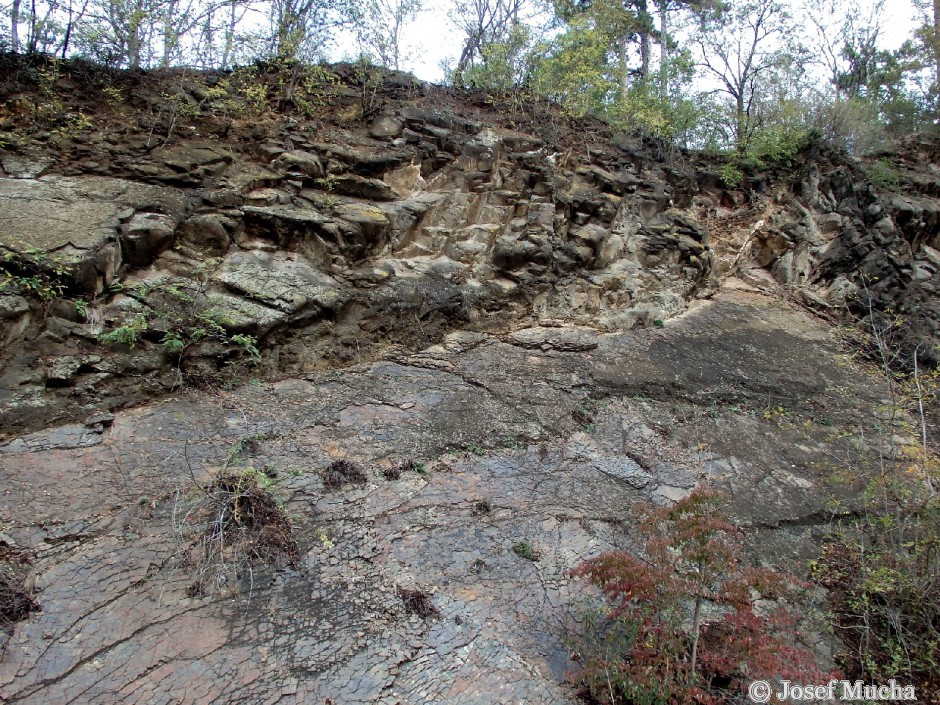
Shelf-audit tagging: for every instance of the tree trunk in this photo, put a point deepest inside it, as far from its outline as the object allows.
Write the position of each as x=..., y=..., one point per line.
x=645, y=32
x=14, y=26
x=664, y=49
x=133, y=41
x=465, y=57
x=169, y=34
x=229, y=36
x=936, y=51
x=741, y=124
x=624, y=67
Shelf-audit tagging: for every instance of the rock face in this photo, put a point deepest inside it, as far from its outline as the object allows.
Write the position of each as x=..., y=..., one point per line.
x=93, y=226
x=391, y=234
x=840, y=244
x=519, y=326
x=103, y=505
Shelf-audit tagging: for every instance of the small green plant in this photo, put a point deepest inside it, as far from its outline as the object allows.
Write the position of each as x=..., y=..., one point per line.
x=884, y=175
x=172, y=343
x=513, y=443
x=475, y=449
x=525, y=550
x=659, y=323
x=249, y=444
x=74, y=124
x=81, y=308
x=127, y=334
x=307, y=88
x=482, y=507
x=328, y=182
x=114, y=96
x=248, y=344
x=33, y=274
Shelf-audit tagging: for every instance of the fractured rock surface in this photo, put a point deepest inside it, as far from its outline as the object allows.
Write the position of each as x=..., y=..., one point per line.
x=561, y=461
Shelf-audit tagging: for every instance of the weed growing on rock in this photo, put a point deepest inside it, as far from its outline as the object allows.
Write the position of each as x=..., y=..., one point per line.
x=482, y=507
x=413, y=466
x=392, y=473
x=33, y=275
x=513, y=443
x=344, y=472
x=418, y=602
x=687, y=622
x=187, y=321
x=882, y=569
x=16, y=601
x=525, y=550
x=127, y=334
x=475, y=449
x=234, y=525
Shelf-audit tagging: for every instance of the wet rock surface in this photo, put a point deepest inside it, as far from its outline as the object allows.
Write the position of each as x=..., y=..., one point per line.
x=557, y=444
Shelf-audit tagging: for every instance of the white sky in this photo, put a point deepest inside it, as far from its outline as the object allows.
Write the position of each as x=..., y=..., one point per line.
x=431, y=38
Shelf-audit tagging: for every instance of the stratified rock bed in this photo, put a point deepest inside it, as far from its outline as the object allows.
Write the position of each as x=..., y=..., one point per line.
x=560, y=460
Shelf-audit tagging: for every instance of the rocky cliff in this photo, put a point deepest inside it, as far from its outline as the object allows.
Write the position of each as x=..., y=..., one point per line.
x=541, y=322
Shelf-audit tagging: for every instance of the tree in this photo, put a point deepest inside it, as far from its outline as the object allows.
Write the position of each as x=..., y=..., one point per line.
x=379, y=28
x=743, y=46
x=574, y=71
x=484, y=22
x=301, y=28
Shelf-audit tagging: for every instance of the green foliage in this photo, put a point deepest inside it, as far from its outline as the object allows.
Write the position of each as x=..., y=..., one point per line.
x=127, y=334
x=33, y=274
x=74, y=124
x=731, y=175
x=683, y=624
x=172, y=343
x=882, y=571
x=573, y=71
x=188, y=317
x=249, y=344
x=884, y=175
x=513, y=443
x=475, y=448
x=524, y=550
x=305, y=87
x=506, y=64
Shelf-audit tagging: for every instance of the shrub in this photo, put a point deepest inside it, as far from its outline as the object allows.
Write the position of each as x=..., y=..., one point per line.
x=684, y=623
x=731, y=175
x=234, y=524
x=128, y=334
x=882, y=570
x=882, y=574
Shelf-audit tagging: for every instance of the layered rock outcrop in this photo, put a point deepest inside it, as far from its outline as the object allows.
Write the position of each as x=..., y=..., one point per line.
x=330, y=241
x=327, y=248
